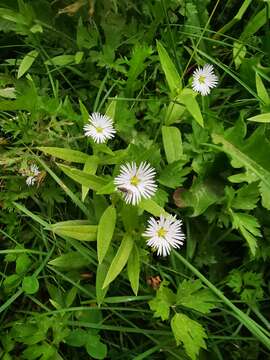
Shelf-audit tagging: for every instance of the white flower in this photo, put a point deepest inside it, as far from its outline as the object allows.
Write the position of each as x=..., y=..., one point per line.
x=100, y=128
x=164, y=234
x=204, y=79
x=32, y=174
x=136, y=182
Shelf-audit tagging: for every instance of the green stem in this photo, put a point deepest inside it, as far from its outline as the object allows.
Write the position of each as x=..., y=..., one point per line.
x=249, y=323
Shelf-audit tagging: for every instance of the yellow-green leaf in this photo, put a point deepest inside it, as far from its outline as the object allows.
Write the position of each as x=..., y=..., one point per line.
x=27, y=62
x=105, y=232
x=171, y=73
x=172, y=142
x=152, y=207
x=76, y=229
x=188, y=98
x=262, y=118
x=120, y=259
x=92, y=181
x=67, y=154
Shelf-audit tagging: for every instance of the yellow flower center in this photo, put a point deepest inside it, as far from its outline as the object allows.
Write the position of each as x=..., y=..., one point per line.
x=161, y=232
x=99, y=129
x=202, y=79
x=134, y=180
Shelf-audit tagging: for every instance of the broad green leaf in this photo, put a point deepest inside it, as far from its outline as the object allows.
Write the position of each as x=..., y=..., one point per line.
x=188, y=98
x=171, y=74
x=248, y=157
x=201, y=195
x=78, y=56
x=262, y=118
x=246, y=197
x=30, y=284
x=68, y=154
x=172, y=142
x=105, y=232
x=191, y=294
x=90, y=167
x=254, y=24
x=27, y=62
x=77, y=338
x=133, y=268
x=190, y=333
x=76, y=229
x=61, y=60
x=23, y=263
x=261, y=90
x=163, y=301
x=92, y=181
x=13, y=16
x=95, y=348
x=119, y=260
x=70, y=261
x=248, y=226
x=151, y=206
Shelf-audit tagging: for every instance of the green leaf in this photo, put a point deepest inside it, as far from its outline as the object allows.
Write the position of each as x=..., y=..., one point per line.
x=262, y=118
x=27, y=62
x=105, y=232
x=133, y=268
x=246, y=197
x=76, y=229
x=23, y=263
x=68, y=154
x=248, y=226
x=92, y=181
x=70, y=261
x=171, y=74
x=172, y=142
x=252, y=157
x=190, y=333
x=174, y=111
x=111, y=108
x=95, y=348
x=188, y=98
x=77, y=338
x=201, y=195
x=265, y=194
x=102, y=270
x=239, y=53
x=61, y=60
x=191, y=294
x=151, y=206
x=84, y=112
x=136, y=66
x=30, y=284
x=173, y=175
x=163, y=301
x=261, y=90
x=90, y=167
x=119, y=260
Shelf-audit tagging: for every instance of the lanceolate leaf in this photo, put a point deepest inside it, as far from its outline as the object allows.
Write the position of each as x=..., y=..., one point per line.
x=68, y=154
x=119, y=260
x=172, y=76
x=27, y=62
x=92, y=181
x=76, y=229
x=172, y=142
x=188, y=98
x=90, y=167
x=105, y=232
